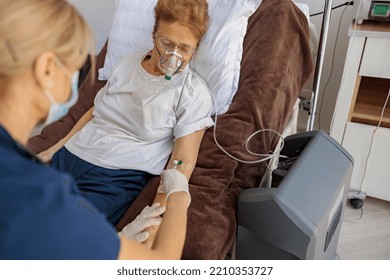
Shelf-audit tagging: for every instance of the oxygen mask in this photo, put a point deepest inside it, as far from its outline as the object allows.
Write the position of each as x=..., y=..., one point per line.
x=172, y=60
x=170, y=63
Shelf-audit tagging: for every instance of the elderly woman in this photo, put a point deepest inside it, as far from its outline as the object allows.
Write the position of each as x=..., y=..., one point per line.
x=151, y=115
x=43, y=43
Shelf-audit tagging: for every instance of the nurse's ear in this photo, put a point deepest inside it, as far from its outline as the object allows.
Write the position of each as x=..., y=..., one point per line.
x=44, y=69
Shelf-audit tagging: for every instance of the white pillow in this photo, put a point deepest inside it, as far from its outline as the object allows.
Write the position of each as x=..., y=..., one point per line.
x=305, y=9
x=219, y=54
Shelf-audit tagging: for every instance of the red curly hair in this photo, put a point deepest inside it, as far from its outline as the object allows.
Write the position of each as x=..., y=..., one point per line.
x=190, y=13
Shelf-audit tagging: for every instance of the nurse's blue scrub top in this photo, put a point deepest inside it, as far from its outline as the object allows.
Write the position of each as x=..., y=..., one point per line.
x=43, y=216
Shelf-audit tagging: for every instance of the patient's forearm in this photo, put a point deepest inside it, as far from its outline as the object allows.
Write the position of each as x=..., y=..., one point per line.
x=161, y=198
x=170, y=237
x=186, y=150
x=184, y=168
x=78, y=126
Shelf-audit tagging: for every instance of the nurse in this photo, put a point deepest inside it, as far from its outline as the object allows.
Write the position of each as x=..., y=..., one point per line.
x=43, y=43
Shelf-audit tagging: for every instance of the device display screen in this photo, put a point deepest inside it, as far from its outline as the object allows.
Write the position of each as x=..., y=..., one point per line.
x=380, y=10
x=373, y=10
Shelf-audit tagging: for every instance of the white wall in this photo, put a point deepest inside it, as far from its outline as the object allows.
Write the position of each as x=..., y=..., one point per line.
x=99, y=14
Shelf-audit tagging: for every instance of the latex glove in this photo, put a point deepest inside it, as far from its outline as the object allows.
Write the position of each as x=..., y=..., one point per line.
x=173, y=181
x=150, y=216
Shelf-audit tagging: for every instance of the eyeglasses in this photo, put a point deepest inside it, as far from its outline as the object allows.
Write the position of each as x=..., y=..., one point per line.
x=170, y=45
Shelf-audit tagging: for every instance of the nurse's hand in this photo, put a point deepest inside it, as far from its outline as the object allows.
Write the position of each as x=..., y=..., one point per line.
x=172, y=181
x=150, y=216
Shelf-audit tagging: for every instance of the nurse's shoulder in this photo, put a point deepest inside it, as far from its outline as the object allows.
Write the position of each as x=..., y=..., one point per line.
x=38, y=201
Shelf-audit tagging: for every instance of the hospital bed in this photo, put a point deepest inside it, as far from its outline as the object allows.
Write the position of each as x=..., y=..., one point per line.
x=276, y=63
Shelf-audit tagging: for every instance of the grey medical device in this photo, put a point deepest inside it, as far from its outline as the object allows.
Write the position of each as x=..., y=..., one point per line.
x=300, y=216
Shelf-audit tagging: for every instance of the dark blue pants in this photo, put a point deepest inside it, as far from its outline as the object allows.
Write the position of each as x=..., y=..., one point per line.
x=110, y=191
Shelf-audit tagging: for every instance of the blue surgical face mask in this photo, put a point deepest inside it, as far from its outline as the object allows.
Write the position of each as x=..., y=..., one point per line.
x=58, y=110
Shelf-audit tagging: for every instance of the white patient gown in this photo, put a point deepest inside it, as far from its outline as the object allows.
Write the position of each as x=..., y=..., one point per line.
x=137, y=117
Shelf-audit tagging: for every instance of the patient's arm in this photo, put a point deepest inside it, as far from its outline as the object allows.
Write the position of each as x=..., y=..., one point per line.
x=186, y=149
x=46, y=156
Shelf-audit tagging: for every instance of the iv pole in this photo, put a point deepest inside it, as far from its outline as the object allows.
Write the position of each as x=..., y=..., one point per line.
x=319, y=63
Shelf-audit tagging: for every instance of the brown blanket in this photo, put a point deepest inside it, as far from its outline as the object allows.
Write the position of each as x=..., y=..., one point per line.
x=275, y=65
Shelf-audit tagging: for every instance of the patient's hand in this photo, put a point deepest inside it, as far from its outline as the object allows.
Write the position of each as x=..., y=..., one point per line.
x=46, y=156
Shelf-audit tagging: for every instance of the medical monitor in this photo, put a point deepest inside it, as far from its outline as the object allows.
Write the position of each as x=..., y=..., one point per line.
x=300, y=216
x=371, y=10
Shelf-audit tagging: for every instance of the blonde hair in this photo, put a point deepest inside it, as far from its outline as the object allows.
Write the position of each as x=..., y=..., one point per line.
x=29, y=28
x=190, y=13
